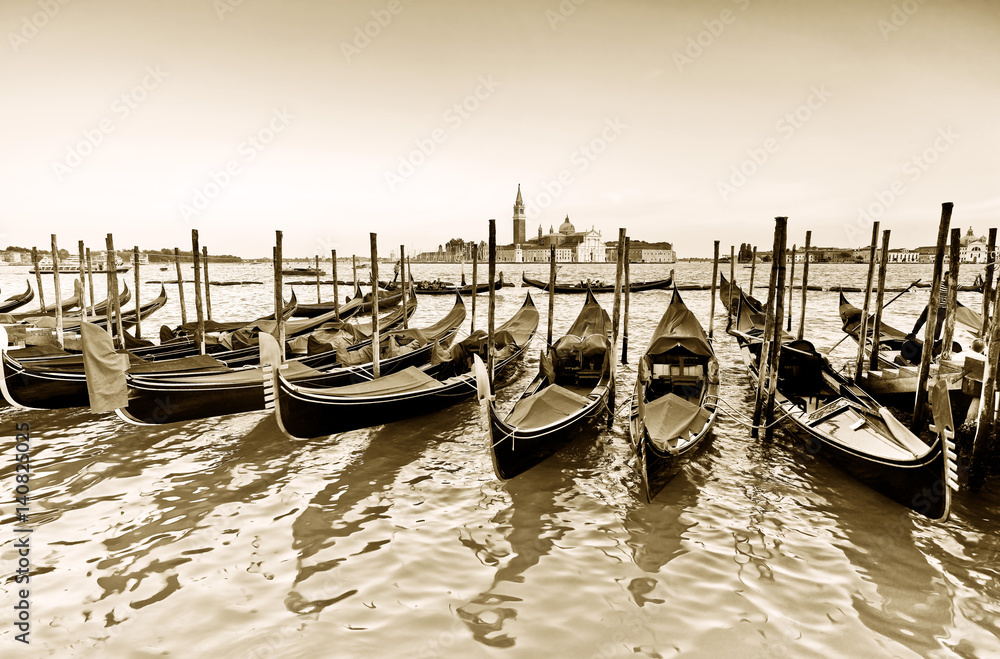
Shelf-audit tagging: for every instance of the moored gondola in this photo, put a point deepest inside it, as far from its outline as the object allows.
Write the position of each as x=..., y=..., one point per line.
x=314, y=408
x=441, y=288
x=848, y=427
x=575, y=386
x=676, y=396
x=17, y=301
x=587, y=286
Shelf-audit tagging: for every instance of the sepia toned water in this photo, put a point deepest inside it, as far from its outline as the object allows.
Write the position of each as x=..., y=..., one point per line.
x=224, y=538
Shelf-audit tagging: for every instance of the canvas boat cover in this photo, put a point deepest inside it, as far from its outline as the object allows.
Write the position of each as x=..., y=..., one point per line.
x=670, y=418
x=592, y=319
x=551, y=404
x=293, y=371
x=105, y=369
x=679, y=327
x=407, y=380
x=180, y=365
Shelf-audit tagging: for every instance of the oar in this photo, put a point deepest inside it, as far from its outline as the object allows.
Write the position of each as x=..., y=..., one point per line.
x=883, y=306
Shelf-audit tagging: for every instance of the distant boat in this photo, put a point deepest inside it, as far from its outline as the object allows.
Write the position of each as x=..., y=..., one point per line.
x=71, y=264
x=303, y=271
x=598, y=286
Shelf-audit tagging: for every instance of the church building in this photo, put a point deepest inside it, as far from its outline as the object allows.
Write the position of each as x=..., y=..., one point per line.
x=572, y=246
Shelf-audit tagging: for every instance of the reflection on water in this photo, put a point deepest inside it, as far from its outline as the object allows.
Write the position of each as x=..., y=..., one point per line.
x=224, y=537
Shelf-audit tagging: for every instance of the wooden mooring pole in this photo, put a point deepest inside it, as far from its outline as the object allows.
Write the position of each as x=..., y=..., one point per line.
x=83, y=282
x=38, y=278
x=791, y=285
x=625, y=292
x=199, y=334
x=90, y=283
x=732, y=275
x=805, y=286
x=753, y=268
x=208, y=287
x=763, y=360
x=376, y=339
x=619, y=271
x=711, y=302
x=279, y=290
x=491, y=318
x=113, y=298
x=402, y=281
x=917, y=420
x=138, y=304
x=985, y=438
x=319, y=294
x=475, y=283
x=180, y=285
x=552, y=293
x=775, y=357
x=991, y=248
x=877, y=323
x=859, y=363
x=58, y=291
x=954, y=261
x=336, y=293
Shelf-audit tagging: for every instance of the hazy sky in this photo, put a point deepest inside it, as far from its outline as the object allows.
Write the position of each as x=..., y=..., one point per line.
x=125, y=116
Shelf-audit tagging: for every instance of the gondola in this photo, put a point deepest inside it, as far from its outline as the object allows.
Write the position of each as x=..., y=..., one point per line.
x=676, y=396
x=164, y=398
x=575, y=387
x=71, y=321
x=848, y=427
x=317, y=407
x=731, y=291
x=584, y=287
x=16, y=301
x=360, y=303
x=441, y=288
x=69, y=303
x=54, y=379
x=308, y=272
x=895, y=379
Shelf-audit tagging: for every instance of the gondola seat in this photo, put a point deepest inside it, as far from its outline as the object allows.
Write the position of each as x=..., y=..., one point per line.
x=800, y=371
x=579, y=360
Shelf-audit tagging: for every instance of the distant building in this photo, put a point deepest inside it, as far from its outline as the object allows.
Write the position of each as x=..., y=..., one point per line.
x=642, y=252
x=572, y=246
x=904, y=255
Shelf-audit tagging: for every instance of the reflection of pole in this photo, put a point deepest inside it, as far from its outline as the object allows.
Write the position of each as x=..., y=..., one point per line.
x=732, y=275
x=916, y=422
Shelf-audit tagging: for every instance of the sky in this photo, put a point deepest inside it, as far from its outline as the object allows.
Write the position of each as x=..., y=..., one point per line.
x=683, y=121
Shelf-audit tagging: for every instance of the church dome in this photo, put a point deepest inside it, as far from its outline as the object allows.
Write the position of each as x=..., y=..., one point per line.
x=566, y=226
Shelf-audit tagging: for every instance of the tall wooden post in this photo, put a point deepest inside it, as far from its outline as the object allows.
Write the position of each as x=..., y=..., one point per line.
x=196, y=256
x=625, y=292
x=38, y=278
x=877, y=323
x=985, y=431
x=138, y=304
x=776, y=338
x=113, y=273
x=180, y=285
x=791, y=285
x=711, y=302
x=753, y=268
x=732, y=274
x=763, y=361
x=403, y=282
x=376, y=339
x=859, y=363
x=279, y=290
x=949, y=319
x=991, y=248
x=90, y=283
x=83, y=282
x=109, y=309
x=354, y=264
x=58, y=291
x=208, y=287
x=491, y=318
x=475, y=283
x=336, y=291
x=805, y=285
x=319, y=295
x=619, y=271
x=552, y=293
x=917, y=420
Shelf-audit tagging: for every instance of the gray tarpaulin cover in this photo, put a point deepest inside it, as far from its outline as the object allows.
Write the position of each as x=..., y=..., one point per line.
x=105, y=370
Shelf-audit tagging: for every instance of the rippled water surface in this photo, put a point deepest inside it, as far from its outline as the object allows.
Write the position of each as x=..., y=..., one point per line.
x=223, y=538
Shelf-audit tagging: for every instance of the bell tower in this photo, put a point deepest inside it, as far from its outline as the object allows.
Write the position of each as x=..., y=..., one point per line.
x=519, y=237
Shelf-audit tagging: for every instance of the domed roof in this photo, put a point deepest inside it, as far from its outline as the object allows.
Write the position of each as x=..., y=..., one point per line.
x=567, y=226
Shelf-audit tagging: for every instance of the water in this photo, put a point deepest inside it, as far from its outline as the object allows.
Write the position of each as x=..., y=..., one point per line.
x=223, y=538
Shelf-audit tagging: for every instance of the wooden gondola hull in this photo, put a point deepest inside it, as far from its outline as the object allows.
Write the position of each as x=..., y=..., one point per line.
x=918, y=484
x=17, y=301
x=637, y=287
x=155, y=400
x=43, y=389
x=514, y=451
x=461, y=290
x=658, y=466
